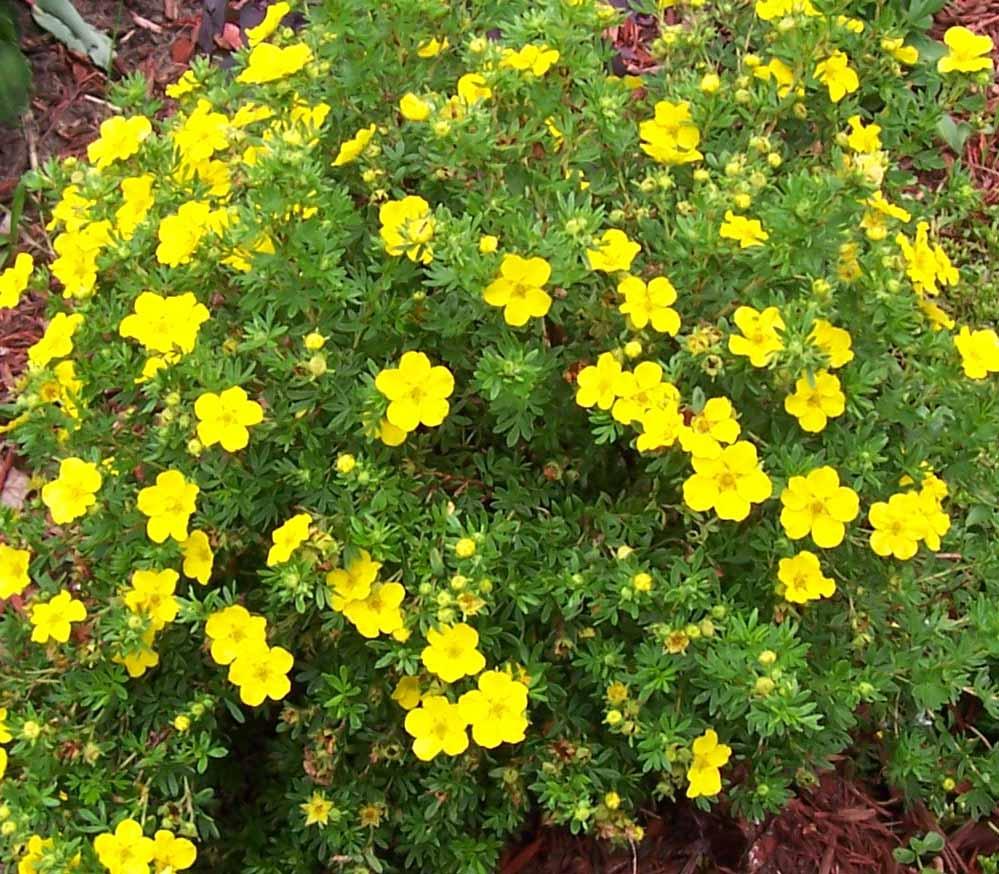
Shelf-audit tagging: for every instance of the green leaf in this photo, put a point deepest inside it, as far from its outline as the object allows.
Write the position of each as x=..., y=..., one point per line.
x=953, y=133
x=60, y=18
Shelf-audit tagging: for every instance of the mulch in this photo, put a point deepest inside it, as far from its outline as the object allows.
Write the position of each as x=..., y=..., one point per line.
x=842, y=825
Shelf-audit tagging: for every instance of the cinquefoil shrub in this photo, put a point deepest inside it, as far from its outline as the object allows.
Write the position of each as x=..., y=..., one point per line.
x=431, y=427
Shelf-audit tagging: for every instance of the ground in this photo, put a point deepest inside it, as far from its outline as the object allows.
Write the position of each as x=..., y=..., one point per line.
x=841, y=825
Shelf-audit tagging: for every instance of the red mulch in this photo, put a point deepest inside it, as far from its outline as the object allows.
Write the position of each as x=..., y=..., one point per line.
x=842, y=825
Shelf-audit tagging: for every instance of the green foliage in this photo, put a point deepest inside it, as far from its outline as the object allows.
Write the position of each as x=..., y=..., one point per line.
x=637, y=622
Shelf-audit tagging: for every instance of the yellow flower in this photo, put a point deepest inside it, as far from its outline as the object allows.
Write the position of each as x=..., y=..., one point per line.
x=472, y=88
x=138, y=661
x=261, y=672
x=72, y=211
x=979, y=351
x=748, y=232
x=729, y=482
x=649, y=304
x=465, y=548
x=165, y=324
x=268, y=63
x=137, y=193
x=768, y=10
x=287, y=538
x=863, y=138
x=317, y=810
x=873, y=221
x=35, y=850
x=938, y=317
x=407, y=693
x=407, y=228
x=203, y=133
x=803, y=578
x=183, y=86
x=760, y=340
x=671, y=137
x=126, y=850
x=533, y=59
x=837, y=75
x=451, y=654
x=52, y=619
x=437, y=726
x=835, y=343
x=354, y=583
x=817, y=398
x=14, y=577
x=180, y=234
x=497, y=710
x=898, y=526
x=198, y=557
x=817, y=504
x=417, y=392
x=120, y=139
x=169, y=505
x=640, y=391
x=714, y=425
x=226, y=418
x=431, y=48
x=780, y=72
x=661, y=425
x=615, y=252
x=967, y=52
x=234, y=630
x=390, y=435
x=902, y=53
x=519, y=289
x=171, y=853
x=379, y=612
x=152, y=595
x=413, y=108
x=710, y=83
x=704, y=775
x=597, y=383
x=926, y=264
x=352, y=149
x=270, y=23
x=73, y=492
x=57, y=341
x=14, y=280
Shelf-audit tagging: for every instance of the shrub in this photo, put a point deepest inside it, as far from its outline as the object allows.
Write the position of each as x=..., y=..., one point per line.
x=432, y=428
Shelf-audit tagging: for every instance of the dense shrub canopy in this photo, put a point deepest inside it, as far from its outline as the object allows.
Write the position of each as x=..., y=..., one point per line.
x=432, y=426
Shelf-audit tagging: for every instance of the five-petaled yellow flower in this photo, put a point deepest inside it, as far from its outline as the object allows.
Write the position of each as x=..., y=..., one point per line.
x=519, y=289
x=967, y=51
x=407, y=228
x=52, y=619
x=452, y=654
x=287, y=538
x=729, y=482
x=417, y=392
x=169, y=505
x=817, y=504
x=225, y=418
x=704, y=774
x=74, y=491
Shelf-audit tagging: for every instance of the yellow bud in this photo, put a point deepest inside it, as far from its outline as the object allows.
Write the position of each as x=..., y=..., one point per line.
x=465, y=548
x=632, y=349
x=710, y=83
x=317, y=365
x=612, y=801
x=182, y=723
x=345, y=463
x=767, y=657
x=314, y=341
x=488, y=244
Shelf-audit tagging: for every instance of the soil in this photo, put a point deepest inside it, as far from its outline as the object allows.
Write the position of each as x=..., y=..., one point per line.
x=842, y=825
